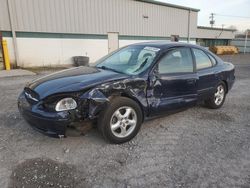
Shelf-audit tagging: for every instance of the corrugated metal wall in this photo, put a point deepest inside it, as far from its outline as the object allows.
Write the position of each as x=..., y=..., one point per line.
x=97, y=17
x=4, y=17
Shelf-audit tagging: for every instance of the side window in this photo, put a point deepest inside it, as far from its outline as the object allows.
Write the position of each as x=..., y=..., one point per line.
x=176, y=61
x=202, y=60
x=212, y=59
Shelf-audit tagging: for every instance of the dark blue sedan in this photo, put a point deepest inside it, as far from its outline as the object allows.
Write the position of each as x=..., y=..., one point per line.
x=125, y=88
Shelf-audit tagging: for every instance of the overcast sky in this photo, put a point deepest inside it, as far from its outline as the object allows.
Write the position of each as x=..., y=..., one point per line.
x=240, y=8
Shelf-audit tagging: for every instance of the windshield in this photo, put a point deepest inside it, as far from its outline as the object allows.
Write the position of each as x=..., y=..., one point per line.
x=131, y=60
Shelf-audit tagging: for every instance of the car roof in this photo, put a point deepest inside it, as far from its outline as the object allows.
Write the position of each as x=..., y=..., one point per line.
x=165, y=44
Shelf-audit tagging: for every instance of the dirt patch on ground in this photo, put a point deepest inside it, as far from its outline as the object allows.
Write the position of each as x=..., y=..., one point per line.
x=216, y=116
x=43, y=173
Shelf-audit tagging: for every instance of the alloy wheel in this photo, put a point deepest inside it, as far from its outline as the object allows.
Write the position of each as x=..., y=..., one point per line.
x=123, y=121
x=219, y=95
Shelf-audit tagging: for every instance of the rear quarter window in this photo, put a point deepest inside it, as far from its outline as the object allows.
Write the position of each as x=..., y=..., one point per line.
x=202, y=60
x=213, y=60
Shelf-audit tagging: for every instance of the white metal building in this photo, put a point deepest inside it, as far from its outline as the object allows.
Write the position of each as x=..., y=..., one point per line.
x=207, y=36
x=51, y=32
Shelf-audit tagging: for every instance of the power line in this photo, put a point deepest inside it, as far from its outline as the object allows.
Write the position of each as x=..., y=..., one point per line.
x=232, y=16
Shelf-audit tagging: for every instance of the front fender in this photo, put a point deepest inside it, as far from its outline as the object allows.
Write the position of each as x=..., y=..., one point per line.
x=98, y=98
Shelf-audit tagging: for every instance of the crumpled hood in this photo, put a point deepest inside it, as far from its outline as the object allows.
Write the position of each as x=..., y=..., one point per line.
x=74, y=79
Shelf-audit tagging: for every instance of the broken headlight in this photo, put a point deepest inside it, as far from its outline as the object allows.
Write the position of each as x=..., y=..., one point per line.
x=66, y=104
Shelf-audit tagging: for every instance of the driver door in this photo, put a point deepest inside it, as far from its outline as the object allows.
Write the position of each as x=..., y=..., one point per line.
x=173, y=82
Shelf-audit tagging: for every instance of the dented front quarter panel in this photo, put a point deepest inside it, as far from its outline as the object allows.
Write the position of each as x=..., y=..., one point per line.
x=100, y=96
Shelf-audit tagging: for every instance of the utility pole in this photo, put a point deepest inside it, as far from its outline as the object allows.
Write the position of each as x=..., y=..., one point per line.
x=13, y=31
x=212, y=21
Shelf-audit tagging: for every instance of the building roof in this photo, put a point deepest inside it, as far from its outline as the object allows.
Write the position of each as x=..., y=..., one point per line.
x=169, y=5
x=163, y=44
x=215, y=28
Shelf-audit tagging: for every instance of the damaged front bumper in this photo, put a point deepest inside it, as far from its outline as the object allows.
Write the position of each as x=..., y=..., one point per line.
x=54, y=123
x=50, y=123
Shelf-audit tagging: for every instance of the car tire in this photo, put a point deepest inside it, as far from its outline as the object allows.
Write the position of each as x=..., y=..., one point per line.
x=121, y=120
x=218, y=98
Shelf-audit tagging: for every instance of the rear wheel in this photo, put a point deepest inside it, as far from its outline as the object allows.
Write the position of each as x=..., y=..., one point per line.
x=121, y=121
x=218, y=98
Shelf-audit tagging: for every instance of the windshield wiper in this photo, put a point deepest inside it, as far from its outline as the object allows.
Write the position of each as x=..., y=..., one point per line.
x=108, y=68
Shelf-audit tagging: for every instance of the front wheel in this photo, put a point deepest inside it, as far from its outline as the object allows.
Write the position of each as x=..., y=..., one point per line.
x=121, y=121
x=218, y=98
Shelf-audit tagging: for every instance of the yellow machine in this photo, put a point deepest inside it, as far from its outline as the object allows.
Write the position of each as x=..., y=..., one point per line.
x=221, y=50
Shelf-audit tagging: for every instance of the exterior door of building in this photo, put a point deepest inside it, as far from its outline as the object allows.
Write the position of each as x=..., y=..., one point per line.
x=113, y=41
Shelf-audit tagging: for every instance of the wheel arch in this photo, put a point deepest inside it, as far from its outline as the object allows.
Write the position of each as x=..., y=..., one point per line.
x=226, y=84
x=135, y=100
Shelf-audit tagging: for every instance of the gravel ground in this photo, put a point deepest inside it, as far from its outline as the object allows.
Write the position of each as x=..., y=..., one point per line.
x=198, y=147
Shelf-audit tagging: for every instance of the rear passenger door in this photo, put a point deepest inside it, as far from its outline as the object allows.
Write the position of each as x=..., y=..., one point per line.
x=206, y=73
